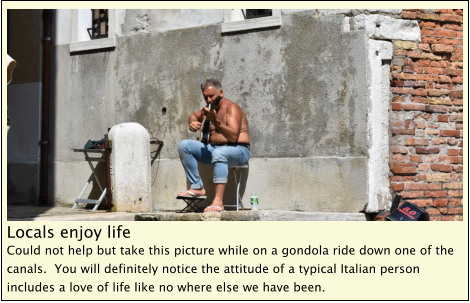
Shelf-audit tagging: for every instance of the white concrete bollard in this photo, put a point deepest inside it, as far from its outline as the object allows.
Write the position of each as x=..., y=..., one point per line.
x=130, y=168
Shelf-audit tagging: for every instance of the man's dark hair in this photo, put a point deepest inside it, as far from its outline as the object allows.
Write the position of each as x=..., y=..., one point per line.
x=211, y=82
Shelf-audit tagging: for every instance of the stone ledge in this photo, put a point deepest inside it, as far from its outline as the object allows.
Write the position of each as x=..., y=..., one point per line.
x=261, y=215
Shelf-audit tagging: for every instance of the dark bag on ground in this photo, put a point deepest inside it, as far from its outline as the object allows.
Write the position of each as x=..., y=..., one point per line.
x=95, y=144
x=408, y=212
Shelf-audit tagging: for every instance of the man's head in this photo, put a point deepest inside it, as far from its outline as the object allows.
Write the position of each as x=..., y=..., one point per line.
x=211, y=89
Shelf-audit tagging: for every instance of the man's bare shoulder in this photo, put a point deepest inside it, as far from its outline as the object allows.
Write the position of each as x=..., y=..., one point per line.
x=232, y=106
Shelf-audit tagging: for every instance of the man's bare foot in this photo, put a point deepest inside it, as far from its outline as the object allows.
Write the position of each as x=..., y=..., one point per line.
x=197, y=192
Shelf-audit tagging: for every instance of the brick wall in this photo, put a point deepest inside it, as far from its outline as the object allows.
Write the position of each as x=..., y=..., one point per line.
x=426, y=118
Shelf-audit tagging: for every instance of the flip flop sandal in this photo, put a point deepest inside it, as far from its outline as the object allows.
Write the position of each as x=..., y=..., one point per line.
x=214, y=211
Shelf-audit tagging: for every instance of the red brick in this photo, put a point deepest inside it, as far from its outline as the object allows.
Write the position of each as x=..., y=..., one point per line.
x=458, y=34
x=412, y=194
x=461, y=152
x=453, y=185
x=404, y=170
x=426, y=16
x=451, y=18
x=395, y=83
x=414, y=55
x=456, y=118
x=419, y=100
x=396, y=106
x=413, y=141
x=454, y=109
x=400, y=52
x=454, y=193
x=433, y=211
x=457, y=177
x=455, y=202
x=435, y=218
x=441, y=167
x=457, y=65
x=441, y=202
x=427, y=150
x=428, y=77
x=452, y=141
x=459, y=12
x=442, y=118
x=417, y=186
x=421, y=63
x=456, y=211
x=449, y=41
x=426, y=116
x=400, y=90
x=422, y=202
x=403, y=76
x=436, y=108
x=445, y=11
x=458, y=126
x=457, y=80
x=443, y=33
x=461, y=143
x=450, y=159
x=434, y=70
x=443, y=210
x=440, y=63
x=424, y=167
x=412, y=10
x=452, y=26
x=435, y=186
x=458, y=50
x=443, y=79
x=438, y=141
x=398, y=187
x=424, y=47
x=426, y=32
x=419, y=92
x=431, y=40
x=402, y=178
x=435, y=194
x=454, y=72
x=428, y=24
x=395, y=68
x=414, y=84
x=444, y=86
x=398, y=99
x=457, y=58
x=452, y=152
x=408, y=15
x=456, y=94
x=410, y=124
x=398, y=158
x=450, y=133
x=399, y=150
x=438, y=92
x=414, y=107
x=421, y=177
x=415, y=158
x=430, y=125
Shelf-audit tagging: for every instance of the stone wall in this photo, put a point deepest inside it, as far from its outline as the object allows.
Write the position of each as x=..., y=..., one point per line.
x=427, y=116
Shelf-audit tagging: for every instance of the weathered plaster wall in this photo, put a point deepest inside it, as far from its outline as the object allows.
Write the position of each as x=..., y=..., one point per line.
x=302, y=86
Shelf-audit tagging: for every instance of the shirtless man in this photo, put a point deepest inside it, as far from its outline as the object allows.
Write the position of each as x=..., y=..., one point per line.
x=229, y=144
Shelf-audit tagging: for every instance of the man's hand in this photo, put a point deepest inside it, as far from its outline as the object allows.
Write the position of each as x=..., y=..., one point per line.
x=210, y=114
x=195, y=126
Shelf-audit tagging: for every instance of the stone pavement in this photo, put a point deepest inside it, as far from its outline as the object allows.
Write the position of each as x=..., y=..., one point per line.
x=36, y=213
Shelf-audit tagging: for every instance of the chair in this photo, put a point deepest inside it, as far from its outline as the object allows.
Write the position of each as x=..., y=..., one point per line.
x=239, y=200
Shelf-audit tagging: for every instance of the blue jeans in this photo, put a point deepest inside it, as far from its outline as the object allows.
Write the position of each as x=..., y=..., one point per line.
x=221, y=157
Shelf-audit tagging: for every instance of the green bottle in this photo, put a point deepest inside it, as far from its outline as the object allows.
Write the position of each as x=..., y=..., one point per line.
x=254, y=202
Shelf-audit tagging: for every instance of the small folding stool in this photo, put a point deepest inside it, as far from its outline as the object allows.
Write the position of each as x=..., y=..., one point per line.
x=93, y=176
x=192, y=203
x=239, y=199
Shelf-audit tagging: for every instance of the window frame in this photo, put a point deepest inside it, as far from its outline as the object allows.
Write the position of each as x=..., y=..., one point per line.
x=230, y=26
x=92, y=44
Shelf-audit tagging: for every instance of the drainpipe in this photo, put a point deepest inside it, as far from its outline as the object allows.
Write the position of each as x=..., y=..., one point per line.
x=46, y=81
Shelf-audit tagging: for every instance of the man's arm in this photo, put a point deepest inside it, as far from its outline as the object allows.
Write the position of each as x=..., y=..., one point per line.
x=195, y=121
x=231, y=129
